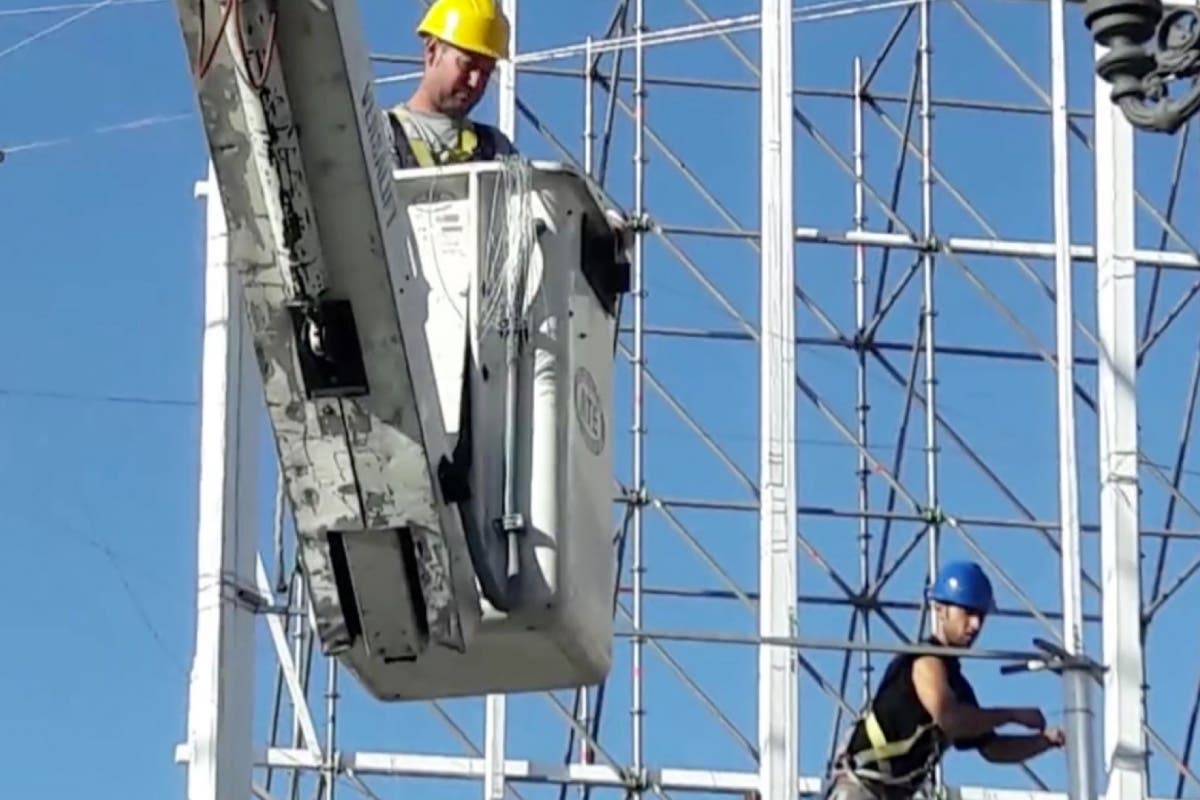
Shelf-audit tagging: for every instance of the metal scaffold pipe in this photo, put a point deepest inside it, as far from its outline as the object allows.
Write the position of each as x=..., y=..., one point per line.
x=1077, y=716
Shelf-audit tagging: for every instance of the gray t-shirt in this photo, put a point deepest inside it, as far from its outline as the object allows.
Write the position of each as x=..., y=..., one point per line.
x=442, y=132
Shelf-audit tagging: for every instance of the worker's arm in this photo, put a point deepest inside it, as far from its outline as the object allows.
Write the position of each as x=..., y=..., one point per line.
x=959, y=720
x=1015, y=749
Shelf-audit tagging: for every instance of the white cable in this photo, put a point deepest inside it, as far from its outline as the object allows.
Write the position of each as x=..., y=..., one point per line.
x=121, y=127
x=60, y=7
x=94, y=7
x=508, y=247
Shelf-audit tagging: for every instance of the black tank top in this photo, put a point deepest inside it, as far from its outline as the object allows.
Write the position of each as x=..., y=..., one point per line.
x=899, y=712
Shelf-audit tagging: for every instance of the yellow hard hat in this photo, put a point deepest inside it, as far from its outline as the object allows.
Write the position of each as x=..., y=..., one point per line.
x=477, y=26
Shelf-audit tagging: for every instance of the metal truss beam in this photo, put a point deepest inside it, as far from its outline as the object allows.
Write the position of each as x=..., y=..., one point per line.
x=778, y=689
x=966, y=245
x=667, y=779
x=495, y=726
x=637, y=708
x=1116, y=287
x=1043, y=250
x=777, y=640
x=221, y=691
x=1077, y=716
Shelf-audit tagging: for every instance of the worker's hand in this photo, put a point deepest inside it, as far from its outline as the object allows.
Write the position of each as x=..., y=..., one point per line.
x=1031, y=718
x=1055, y=737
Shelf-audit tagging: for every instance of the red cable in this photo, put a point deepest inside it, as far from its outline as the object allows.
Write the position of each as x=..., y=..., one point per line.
x=204, y=63
x=233, y=10
x=273, y=22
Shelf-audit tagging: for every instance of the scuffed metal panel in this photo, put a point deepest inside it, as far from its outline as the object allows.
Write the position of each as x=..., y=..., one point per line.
x=396, y=433
x=436, y=567
x=313, y=457
x=363, y=466
x=442, y=236
x=561, y=633
x=391, y=630
x=420, y=290
x=355, y=463
x=317, y=567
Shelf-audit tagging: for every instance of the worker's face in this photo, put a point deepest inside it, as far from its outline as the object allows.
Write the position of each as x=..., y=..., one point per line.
x=959, y=626
x=455, y=79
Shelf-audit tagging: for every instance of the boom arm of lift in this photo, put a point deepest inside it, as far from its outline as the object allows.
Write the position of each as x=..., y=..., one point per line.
x=303, y=158
x=295, y=136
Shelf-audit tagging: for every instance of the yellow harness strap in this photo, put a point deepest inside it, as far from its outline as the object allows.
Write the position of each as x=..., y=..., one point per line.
x=468, y=142
x=881, y=750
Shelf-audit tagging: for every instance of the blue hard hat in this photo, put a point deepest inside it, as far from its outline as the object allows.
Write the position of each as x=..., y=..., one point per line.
x=963, y=583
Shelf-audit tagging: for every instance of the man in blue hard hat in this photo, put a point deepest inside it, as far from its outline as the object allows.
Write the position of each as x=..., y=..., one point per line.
x=924, y=705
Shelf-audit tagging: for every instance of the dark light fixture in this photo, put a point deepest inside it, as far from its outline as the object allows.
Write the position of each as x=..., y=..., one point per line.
x=1141, y=74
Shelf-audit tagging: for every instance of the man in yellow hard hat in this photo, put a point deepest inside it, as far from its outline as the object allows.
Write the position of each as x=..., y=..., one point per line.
x=463, y=40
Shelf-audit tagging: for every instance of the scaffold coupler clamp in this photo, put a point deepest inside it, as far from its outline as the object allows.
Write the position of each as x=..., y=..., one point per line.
x=1056, y=660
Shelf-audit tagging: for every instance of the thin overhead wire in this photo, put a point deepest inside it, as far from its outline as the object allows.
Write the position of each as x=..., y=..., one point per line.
x=80, y=397
x=858, y=442
x=83, y=10
x=140, y=123
x=675, y=35
x=59, y=8
x=42, y=34
x=58, y=524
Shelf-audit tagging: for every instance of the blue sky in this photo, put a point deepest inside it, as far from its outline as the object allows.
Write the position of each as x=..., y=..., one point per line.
x=102, y=247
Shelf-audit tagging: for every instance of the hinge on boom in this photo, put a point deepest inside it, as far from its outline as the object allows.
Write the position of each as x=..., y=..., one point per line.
x=328, y=349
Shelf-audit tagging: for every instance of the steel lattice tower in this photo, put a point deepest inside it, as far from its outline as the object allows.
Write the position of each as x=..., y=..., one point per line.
x=939, y=190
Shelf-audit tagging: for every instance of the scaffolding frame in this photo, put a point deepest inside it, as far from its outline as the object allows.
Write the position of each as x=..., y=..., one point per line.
x=234, y=590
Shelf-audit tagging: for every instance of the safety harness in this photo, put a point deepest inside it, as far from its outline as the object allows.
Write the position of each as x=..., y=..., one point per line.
x=475, y=143
x=870, y=759
x=874, y=763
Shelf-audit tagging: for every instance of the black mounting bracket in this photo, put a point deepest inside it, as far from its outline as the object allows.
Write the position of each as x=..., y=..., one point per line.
x=328, y=349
